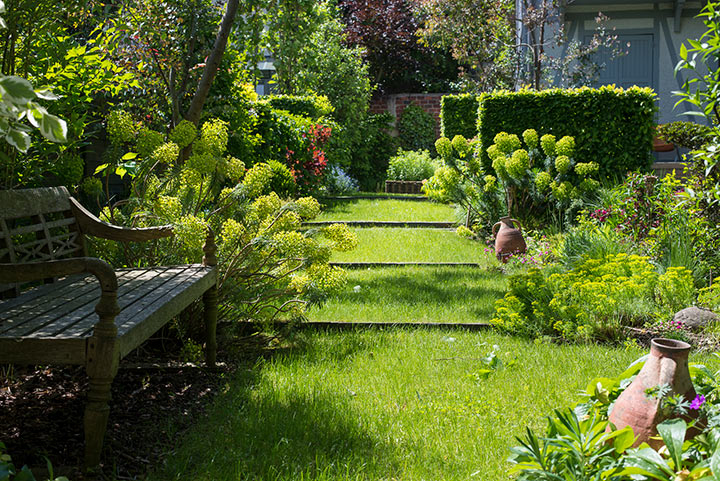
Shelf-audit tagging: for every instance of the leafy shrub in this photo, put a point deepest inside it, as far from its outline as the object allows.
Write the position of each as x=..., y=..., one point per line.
x=411, y=165
x=312, y=106
x=8, y=471
x=684, y=134
x=337, y=182
x=267, y=266
x=372, y=154
x=460, y=180
x=592, y=301
x=416, y=128
x=611, y=126
x=458, y=115
x=281, y=180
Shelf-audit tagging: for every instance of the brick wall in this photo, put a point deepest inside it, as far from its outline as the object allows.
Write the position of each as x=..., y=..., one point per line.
x=396, y=103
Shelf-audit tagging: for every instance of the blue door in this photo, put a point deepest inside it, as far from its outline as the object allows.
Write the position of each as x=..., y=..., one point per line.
x=634, y=68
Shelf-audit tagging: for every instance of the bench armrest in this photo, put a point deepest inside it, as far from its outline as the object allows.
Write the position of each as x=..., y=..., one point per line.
x=35, y=271
x=107, y=308
x=89, y=224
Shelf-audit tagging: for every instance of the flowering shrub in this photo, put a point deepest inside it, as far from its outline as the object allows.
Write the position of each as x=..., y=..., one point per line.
x=308, y=163
x=267, y=266
x=542, y=172
x=337, y=182
x=460, y=180
x=594, y=300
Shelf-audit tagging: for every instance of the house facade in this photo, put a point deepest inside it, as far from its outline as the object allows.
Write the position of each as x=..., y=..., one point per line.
x=651, y=32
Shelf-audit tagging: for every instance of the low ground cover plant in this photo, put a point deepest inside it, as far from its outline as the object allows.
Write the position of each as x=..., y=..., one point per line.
x=411, y=165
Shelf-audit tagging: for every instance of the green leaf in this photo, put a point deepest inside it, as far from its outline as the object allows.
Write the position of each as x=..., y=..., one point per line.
x=24, y=475
x=673, y=434
x=715, y=463
x=46, y=94
x=18, y=139
x=101, y=168
x=17, y=88
x=683, y=51
x=129, y=156
x=53, y=128
x=624, y=440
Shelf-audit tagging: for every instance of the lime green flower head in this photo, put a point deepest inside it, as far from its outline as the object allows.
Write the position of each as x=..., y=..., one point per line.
x=507, y=143
x=565, y=146
x=183, y=134
x=562, y=164
x=547, y=142
x=166, y=153
x=461, y=146
x=518, y=164
x=147, y=141
x=587, y=168
x=530, y=136
x=490, y=183
x=542, y=181
x=444, y=147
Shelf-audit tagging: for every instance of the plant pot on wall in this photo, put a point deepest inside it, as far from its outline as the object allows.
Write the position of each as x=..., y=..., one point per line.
x=661, y=145
x=403, y=186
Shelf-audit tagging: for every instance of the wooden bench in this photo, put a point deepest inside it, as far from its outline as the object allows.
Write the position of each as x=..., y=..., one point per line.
x=83, y=312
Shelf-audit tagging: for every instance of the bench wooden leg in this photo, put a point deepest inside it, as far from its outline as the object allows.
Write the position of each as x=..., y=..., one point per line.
x=96, y=419
x=101, y=366
x=210, y=313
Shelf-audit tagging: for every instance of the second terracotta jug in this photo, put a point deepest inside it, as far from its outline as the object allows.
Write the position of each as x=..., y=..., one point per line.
x=667, y=365
x=508, y=239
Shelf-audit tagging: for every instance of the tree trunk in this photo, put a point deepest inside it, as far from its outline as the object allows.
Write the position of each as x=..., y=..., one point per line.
x=212, y=63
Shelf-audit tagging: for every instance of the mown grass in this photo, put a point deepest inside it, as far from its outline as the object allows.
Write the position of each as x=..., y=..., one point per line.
x=379, y=244
x=387, y=210
x=398, y=404
x=414, y=294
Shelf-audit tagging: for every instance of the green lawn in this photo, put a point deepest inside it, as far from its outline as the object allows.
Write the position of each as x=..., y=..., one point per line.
x=378, y=244
x=414, y=294
x=387, y=210
x=399, y=404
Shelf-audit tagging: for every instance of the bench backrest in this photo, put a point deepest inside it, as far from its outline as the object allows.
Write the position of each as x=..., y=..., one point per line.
x=37, y=225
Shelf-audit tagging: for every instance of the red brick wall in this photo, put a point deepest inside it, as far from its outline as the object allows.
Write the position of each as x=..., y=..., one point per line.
x=396, y=103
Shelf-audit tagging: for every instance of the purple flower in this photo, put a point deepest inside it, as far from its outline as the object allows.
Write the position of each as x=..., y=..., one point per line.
x=697, y=402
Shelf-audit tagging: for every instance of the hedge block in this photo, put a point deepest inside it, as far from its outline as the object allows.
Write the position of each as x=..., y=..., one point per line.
x=458, y=115
x=611, y=126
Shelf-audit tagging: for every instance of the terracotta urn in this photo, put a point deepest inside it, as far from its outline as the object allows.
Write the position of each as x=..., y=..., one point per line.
x=508, y=239
x=667, y=364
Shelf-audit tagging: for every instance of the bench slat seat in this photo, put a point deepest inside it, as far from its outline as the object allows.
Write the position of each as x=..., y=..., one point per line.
x=66, y=311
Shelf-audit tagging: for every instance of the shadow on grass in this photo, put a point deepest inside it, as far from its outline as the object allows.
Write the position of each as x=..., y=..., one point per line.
x=469, y=287
x=268, y=427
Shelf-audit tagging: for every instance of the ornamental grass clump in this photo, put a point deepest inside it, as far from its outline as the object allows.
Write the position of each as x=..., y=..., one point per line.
x=267, y=266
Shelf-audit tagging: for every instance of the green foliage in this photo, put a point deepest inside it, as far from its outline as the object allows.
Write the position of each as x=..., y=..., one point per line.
x=372, y=154
x=411, y=165
x=416, y=128
x=458, y=115
x=312, y=106
x=8, y=471
x=699, y=62
x=268, y=267
x=684, y=134
x=593, y=301
x=611, y=126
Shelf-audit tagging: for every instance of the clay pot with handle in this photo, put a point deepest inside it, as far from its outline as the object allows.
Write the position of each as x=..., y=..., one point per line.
x=508, y=239
x=667, y=365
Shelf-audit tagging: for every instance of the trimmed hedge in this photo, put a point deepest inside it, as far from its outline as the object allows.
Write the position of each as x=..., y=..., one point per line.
x=611, y=126
x=310, y=106
x=458, y=116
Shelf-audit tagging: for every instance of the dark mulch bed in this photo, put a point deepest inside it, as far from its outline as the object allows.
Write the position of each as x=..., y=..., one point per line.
x=155, y=399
